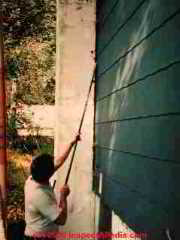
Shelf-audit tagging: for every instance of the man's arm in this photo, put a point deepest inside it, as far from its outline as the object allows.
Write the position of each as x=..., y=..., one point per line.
x=60, y=160
x=61, y=219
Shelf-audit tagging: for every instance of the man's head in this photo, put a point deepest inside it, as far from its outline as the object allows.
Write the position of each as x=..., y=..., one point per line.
x=42, y=167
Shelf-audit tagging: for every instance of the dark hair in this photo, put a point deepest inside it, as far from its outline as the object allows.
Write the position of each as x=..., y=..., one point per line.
x=42, y=167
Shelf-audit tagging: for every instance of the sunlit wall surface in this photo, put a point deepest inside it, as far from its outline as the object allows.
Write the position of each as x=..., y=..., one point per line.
x=74, y=70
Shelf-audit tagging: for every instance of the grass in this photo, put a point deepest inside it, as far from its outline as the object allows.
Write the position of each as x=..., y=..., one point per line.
x=18, y=165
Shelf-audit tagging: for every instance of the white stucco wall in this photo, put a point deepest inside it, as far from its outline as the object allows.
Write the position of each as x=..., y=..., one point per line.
x=76, y=39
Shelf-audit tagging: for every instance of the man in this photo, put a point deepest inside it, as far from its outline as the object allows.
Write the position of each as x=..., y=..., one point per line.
x=43, y=214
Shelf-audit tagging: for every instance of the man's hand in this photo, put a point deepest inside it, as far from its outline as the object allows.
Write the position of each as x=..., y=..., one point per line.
x=60, y=160
x=65, y=191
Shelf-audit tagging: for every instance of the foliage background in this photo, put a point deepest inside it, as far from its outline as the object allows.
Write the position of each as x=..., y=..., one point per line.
x=30, y=35
x=29, y=28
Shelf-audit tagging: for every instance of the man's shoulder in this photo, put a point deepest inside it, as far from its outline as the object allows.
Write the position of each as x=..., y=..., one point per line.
x=31, y=187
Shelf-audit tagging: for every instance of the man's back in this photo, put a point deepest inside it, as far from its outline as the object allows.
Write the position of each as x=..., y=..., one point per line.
x=41, y=209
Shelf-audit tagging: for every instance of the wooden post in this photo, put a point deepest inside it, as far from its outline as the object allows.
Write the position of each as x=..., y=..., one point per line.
x=3, y=158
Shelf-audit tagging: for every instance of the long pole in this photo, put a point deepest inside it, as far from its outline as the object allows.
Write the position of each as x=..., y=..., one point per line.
x=80, y=126
x=3, y=157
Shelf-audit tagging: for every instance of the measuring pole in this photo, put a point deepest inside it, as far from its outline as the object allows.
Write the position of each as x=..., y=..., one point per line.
x=80, y=126
x=3, y=157
x=79, y=131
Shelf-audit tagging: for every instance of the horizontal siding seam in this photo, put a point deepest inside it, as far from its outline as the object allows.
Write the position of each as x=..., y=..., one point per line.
x=154, y=158
x=107, y=16
x=156, y=29
x=140, y=194
x=147, y=76
x=139, y=118
x=120, y=27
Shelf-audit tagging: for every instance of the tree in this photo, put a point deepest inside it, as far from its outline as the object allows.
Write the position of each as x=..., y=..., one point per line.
x=29, y=27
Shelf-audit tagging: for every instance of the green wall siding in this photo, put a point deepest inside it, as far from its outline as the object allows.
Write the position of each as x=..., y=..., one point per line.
x=138, y=110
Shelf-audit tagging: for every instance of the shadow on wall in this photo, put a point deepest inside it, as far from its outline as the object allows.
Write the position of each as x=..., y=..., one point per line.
x=122, y=178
